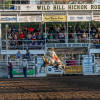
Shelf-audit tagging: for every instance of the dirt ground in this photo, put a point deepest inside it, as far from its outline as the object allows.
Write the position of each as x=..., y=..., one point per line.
x=51, y=88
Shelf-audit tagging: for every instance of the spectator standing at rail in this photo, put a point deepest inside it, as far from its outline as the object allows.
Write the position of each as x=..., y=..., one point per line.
x=25, y=66
x=10, y=68
x=28, y=54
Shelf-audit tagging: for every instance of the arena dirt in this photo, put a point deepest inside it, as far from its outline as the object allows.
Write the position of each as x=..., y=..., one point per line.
x=51, y=88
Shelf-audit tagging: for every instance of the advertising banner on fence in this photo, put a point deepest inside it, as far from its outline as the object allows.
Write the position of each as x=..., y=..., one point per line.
x=96, y=17
x=39, y=63
x=29, y=18
x=87, y=66
x=56, y=7
x=19, y=72
x=79, y=18
x=54, y=18
x=76, y=69
x=8, y=19
x=53, y=70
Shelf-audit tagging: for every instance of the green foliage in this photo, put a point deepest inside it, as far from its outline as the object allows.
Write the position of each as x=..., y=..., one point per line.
x=7, y=3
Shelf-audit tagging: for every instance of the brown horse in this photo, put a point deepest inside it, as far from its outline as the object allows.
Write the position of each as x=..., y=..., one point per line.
x=50, y=62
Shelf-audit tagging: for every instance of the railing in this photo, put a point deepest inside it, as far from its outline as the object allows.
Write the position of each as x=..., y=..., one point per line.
x=18, y=68
x=22, y=44
x=3, y=68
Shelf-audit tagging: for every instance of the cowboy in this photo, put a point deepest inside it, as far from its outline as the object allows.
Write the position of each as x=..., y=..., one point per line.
x=10, y=68
x=53, y=56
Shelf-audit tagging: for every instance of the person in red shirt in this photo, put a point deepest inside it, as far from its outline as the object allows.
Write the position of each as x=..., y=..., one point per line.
x=30, y=29
x=21, y=36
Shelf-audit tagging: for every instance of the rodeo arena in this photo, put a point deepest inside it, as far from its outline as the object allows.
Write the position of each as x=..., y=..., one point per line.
x=49, y=49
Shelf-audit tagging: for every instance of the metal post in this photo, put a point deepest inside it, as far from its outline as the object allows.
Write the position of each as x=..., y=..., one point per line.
x=6, y=35
x=0, y=39
x=67, y=33
x=89, y=39
x=45, y=35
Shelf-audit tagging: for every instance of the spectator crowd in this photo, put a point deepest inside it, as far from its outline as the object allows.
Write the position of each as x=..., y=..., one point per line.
x=32, y=36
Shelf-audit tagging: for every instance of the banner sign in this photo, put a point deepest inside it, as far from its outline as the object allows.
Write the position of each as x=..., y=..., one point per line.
x=39, y=63
x=54, y=18
x=96, y=17
x=78, y=18
x=19, y=72
x=8, y=19
x=56, y=7
x=75, y=69
x=53, y=70
x=87, y=65
x=29, y=18
x=60, y=45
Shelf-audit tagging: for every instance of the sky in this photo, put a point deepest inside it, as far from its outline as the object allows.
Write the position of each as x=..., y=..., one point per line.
x=96, y=1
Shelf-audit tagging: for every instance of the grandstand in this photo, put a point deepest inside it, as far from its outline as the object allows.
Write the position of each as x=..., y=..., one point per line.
x=70, y=27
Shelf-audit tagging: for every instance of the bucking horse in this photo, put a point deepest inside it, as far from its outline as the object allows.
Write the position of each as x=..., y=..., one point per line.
x=52, y=62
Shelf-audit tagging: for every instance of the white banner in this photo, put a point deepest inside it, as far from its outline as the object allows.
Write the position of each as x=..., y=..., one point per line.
x=8, y=19
x=96, y=17
x=56, y=7
x=29, y=19
x=79, y=18
x=53, y=70
x=87, y=65
x=39, y=63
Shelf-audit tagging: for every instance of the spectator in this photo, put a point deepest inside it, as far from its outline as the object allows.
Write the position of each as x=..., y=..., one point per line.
x=10, y=37
x=21, y=36
x=79, y=36
x=73, y=62
x=10, y=66
x=14, y=29
x=25, y=29
x=83, y=29
x=99, y=29
x=25, y=66
x=84, y=37
x=18, y=55
x=62, y=28
x=39, y=37
x=61, y=37
x=27, y=56
x=33, y=38
x=57, y=29
x=77, y=29
x=30, y=29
